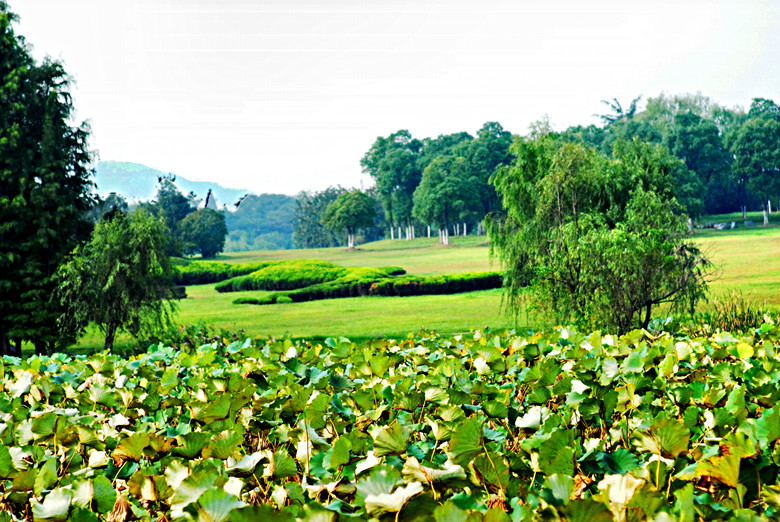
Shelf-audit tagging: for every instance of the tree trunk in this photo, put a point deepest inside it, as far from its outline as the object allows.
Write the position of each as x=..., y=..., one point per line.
x=769, y=204
x=429, y=231
x=766, y=216
x=110, y=334
x=744, y=212
x=350, y=240
x=392, y=232
x=465, y=229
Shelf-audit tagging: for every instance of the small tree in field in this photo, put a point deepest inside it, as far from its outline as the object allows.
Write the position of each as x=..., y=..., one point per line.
x=121, y=279
x=204, y=232
x=351, y=211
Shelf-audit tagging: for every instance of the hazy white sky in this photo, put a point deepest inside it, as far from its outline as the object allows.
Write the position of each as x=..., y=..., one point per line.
x=281, y=96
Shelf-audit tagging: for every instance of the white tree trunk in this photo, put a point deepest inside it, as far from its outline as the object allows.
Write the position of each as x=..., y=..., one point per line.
x=465, y=229
x=392, y=233
x=429, y=231
x=744, y=212
x=769, y=204
x=350, y=240
x=766, y=216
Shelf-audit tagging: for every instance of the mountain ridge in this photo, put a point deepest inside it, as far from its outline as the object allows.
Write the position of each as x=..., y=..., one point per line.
x=138, y=182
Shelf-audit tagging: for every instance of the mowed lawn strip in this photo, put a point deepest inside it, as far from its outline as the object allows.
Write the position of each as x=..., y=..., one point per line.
x=746, y=260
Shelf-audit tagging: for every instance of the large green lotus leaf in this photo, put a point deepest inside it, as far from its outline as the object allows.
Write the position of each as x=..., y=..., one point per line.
x=557, y=489
x=83, y=493
x=131, y=448
x=223, y=445
x=169, y=380
x=736, y=403
x=556, y=456
x=466, y=441
x=55, y=506
x=440, y=430
x=7, y=469
x=21, y=384
x=282, y=466
x=684, y=504
x=633, y=363
x=381, y=480
x=46, y=477
x=340, y=454
x=490, y=469
x=316, y=411
x=725, y=466
x=191, y=444
x=80, y=514
x=767, y=427
x=495, y=409
x=620, y=461
x=218, y=409
x=43, y=426
x=449, y=512
x=214, y=505
x=666, y=437
x=391, y=440
x=587, y=510
x=380, y=364
x=192, y=487
x=25, y=480
x=101, y=394
x=104, y=494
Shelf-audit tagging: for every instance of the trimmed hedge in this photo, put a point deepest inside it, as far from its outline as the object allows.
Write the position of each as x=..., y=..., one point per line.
x=386, y=286
x=303, y=273
x=207, y=272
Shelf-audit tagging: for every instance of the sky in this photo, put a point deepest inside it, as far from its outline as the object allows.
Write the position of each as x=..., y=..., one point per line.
x=284, y=96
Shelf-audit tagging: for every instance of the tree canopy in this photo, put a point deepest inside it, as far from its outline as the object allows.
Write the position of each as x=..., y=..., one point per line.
x=45, y=190
x=120, y=279
x=599, y=240
x=350, y=211
x=203, y=232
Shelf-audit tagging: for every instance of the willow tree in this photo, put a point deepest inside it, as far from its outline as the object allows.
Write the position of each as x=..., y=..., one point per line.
x=599, y=241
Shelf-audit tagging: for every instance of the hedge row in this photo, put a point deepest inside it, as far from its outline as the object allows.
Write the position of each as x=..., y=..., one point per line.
x=207, y=272
x=387, y=286
x=303, y=273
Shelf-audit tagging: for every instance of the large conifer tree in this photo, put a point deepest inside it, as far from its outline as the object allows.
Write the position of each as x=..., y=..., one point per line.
x=45, y=190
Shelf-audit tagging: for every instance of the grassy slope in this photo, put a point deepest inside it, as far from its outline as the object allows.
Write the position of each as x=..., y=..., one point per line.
x=746, y=260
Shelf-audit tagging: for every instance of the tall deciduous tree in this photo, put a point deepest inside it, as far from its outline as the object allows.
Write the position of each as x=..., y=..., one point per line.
x=597, y=238
x=172, y=206
x=309, y=231
x=392, y=163
x=45, y=190
x=443, y=196
x=756, y=149
x=350, y=212
x=121, y=279
x=203, y=232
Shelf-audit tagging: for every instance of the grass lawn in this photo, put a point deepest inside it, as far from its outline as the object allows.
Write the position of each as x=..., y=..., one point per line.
x=746, y=260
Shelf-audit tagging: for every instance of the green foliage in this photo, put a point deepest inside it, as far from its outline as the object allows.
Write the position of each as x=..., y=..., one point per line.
x=730, y=313
x=595, y=428
x=121, y=279
x=263, y=222
x=350, y=211
x=45, y=190
x=597, y=238
x=309, y=209
x=203, y=232
x=353, y=282
x=442, y=198
x=285, y=275
x=197, y=272
x=172, y=207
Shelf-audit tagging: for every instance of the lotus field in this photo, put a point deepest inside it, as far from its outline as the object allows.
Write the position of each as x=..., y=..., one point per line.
x=473, y=427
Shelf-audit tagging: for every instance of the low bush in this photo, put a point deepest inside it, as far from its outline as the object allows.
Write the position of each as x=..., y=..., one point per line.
x=303, y=273
x=208, y=272
x=364, y=282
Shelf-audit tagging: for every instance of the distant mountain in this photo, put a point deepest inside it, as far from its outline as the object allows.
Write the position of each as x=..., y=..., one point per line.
x=139, y=183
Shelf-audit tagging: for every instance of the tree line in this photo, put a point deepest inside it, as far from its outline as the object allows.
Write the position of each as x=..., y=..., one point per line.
x=730, y=162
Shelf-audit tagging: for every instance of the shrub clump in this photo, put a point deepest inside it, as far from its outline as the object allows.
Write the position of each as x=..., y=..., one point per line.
x=208, y=272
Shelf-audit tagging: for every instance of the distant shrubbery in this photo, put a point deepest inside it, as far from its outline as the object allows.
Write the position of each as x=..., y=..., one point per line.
x=363, y=284
x=207, y=272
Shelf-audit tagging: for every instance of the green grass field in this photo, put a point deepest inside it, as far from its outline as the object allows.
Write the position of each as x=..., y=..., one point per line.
x=745, y=260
